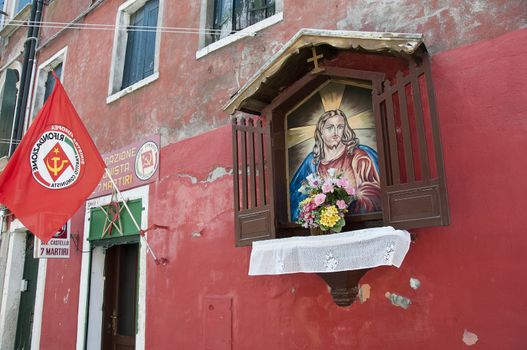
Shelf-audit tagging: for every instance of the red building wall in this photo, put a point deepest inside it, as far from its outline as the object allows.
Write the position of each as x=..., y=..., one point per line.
x=471, y=272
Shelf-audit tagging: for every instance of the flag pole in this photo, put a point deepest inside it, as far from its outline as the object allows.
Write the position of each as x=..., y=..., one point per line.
x=149, y=249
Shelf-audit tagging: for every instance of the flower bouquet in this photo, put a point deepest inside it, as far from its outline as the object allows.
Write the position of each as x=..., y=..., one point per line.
x=328, y=198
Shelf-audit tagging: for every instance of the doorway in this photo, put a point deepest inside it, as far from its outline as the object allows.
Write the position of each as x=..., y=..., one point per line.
x=120, y=297
x=26, y=309
x=99, y=260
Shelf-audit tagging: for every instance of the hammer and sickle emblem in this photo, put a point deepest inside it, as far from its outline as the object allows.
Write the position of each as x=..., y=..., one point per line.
x=147, y=159
x=56, y=167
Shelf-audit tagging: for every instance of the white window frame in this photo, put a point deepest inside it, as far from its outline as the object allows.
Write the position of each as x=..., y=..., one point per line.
x=206, y=17
x=42, y=75
x=92, y=325
x=120, y=39
x=9, y=8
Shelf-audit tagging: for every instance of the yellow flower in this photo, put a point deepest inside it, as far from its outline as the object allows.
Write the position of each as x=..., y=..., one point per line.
x=329, y=216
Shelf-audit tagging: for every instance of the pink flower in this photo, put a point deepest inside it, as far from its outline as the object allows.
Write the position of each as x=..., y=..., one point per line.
x=327, y=187
x=351, y=190
x=343, y=182
x=341, y=204
x=319, y=199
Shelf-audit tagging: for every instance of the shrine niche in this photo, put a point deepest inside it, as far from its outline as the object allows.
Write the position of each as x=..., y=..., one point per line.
x=359, y=103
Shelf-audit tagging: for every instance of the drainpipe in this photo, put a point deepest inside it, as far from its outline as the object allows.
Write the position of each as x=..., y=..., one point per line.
x=27, y=72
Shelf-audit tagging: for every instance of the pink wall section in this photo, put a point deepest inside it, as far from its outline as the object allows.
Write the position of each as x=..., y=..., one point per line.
x=471, y=272
x=61, y=297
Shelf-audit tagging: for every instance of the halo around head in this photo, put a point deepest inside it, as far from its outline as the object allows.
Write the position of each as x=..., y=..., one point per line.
x=331, y=96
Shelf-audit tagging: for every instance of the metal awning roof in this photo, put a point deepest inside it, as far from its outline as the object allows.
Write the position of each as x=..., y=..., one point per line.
x=267, y=84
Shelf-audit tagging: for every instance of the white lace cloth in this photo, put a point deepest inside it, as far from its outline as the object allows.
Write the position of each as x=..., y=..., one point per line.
x=343, y=251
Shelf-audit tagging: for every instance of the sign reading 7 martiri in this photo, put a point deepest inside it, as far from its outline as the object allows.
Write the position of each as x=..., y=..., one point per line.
x=57, y=247
x=134, y=165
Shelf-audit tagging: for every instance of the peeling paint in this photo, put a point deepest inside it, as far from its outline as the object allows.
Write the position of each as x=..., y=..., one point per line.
x=364, y=293
x=469, y=338
x=415, y=283
x=398, y=300
x=216, y=174
x=193, y=179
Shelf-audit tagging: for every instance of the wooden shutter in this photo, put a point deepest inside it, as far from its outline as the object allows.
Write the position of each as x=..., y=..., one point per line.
x=141, y=43
x=222, y=19
x=412, y=175
x=253, y=180
x=7, y=110
x=149, y=47
x=133, y=50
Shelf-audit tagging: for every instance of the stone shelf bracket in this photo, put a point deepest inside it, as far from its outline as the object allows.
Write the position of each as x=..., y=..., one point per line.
x=344, y=285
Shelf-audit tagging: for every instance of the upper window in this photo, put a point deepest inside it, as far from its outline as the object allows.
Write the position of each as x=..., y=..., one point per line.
x=50, y=81
x=20, y=4
x=45, y=81
x=235, y=15
x=136, y=47
x=225, y=21
x=7, y=108
x=140, y=45
x=15, y=13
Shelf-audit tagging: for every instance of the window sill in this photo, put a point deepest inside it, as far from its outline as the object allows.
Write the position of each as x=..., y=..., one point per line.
x=8, y=28
x=132, y=88
x=249, y=31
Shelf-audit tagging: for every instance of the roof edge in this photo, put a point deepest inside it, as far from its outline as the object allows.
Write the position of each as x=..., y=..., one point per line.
x=406, y=43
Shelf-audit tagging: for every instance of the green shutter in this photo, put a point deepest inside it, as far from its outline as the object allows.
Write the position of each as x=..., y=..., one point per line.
x=130, y=231
x=7, y=110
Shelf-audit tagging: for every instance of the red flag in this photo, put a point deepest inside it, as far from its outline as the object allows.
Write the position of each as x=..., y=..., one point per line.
x=53, y=170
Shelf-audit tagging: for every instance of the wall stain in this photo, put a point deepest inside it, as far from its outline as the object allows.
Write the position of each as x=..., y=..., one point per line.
x=469, y=338
x=364, y=293
x=398, y=300
x=415, y=283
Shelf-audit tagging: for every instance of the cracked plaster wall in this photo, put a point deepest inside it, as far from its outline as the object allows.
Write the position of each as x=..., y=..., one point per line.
x=445, y=24
x=194, y=193
x=187, y=98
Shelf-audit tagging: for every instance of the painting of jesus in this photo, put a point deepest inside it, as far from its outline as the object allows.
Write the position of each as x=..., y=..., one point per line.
x=327, y=116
